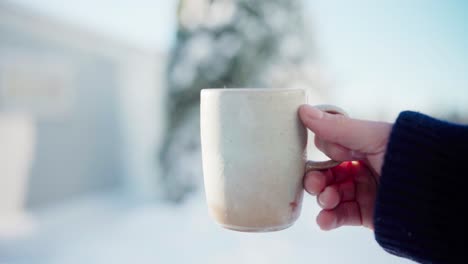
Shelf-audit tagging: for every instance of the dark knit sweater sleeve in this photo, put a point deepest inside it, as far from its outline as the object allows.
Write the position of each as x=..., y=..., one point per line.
x=423, y=190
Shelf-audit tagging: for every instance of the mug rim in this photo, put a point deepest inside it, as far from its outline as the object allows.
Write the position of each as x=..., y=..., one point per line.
x=204, y=90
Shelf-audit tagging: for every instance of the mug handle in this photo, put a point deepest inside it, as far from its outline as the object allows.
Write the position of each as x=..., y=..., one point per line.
x=322, y=165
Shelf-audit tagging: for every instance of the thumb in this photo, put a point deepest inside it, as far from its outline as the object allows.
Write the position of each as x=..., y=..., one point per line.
x=364, y=136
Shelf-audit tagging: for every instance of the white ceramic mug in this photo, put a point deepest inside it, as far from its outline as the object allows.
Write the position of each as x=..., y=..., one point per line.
x=254, y=156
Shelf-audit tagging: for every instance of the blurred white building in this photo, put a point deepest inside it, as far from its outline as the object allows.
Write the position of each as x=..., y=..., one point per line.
x=90, y=104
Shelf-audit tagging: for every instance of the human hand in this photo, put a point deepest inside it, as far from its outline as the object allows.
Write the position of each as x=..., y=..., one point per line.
x=346, y=192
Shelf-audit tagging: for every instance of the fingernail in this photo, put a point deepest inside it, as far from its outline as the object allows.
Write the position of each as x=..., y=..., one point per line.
x=334, y=223
x=320, y=200
x=312, y=112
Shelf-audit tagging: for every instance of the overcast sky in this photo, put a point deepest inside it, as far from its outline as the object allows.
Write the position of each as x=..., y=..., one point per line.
x=413, y=54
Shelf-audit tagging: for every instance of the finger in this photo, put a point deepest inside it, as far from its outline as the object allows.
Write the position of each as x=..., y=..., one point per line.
x=347, y=191
x=334, y=194
x=345, y=214
x=364, y=136
x=329, y=198
x=342, y=172
x=366, y=187
x=337, y=152
x=345, y=171
x=316, y=181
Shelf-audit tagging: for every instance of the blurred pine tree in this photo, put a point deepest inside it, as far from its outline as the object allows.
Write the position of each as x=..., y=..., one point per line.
x=228, y=43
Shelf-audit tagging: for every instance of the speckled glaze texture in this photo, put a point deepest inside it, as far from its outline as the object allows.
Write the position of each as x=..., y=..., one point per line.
x=254, y=156
x=253, y=147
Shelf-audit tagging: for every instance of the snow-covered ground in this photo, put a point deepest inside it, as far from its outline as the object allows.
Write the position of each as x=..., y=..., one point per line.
x=109, y=229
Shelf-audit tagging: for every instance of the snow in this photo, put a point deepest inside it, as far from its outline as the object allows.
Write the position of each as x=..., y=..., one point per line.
x=107, y=228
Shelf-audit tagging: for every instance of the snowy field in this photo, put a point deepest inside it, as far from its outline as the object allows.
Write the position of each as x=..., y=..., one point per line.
x=107, y=229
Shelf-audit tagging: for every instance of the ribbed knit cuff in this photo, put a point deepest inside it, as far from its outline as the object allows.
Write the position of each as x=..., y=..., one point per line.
x=419, y=201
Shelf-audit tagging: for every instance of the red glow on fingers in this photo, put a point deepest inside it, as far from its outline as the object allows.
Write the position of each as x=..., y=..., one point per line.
x=348, y=168
x=348, y=164
x=344, y=164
